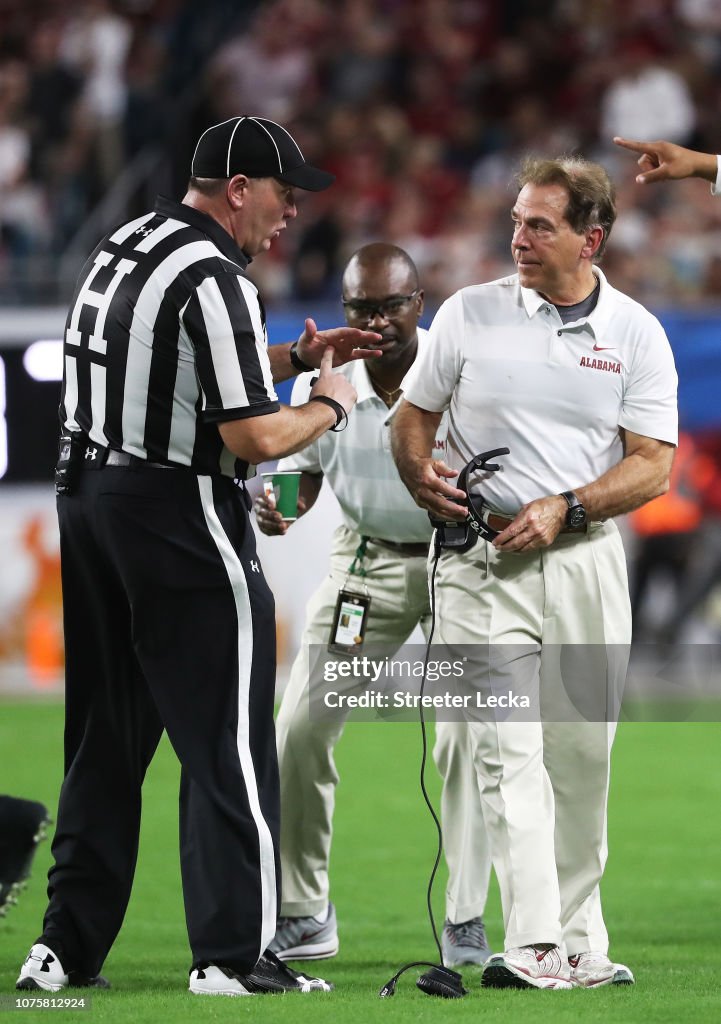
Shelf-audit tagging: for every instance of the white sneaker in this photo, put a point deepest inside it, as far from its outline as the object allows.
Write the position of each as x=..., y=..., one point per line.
x=591, y=970
x=527, y=967
x=216, y=981
x=622, y=975
x=42, y=969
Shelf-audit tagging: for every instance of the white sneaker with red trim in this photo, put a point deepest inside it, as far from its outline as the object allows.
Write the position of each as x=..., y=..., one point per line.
x=527, y=967
x=591, y=970
x=622, y=975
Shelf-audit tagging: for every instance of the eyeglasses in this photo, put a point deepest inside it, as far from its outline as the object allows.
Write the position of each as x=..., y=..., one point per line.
x=388, y=308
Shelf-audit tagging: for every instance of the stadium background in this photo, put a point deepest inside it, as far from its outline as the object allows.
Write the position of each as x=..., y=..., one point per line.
x=422, y=108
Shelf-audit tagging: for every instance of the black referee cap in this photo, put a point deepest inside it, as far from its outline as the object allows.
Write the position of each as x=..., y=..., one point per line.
x=258, y=148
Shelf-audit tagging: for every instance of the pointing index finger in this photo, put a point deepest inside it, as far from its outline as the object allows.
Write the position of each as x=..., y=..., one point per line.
x=637, y=147
x=326, y=362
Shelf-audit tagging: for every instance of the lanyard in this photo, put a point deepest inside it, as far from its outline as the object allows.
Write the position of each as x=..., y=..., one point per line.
x=356, y=567
x=360, y=553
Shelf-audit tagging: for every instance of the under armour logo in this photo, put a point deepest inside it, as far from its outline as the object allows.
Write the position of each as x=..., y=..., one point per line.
x=43, y=961
x=255, y=567
x=90, y=453
x=144, y=232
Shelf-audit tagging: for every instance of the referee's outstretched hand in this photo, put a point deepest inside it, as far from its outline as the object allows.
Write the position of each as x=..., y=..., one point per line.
x=346, y=343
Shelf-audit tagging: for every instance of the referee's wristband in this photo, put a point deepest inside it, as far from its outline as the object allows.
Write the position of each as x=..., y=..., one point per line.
x=340, y=413
x=296, y=361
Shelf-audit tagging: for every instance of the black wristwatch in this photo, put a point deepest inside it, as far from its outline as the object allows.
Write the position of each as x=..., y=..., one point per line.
x=576, y=514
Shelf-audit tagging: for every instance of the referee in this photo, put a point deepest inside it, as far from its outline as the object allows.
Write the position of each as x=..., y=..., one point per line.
x=167, y=403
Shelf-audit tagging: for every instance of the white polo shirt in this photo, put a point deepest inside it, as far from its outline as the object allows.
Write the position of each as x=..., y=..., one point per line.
x=358, y=464
x=511, y=374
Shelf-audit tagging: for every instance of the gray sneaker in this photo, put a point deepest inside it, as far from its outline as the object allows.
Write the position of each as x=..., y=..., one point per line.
x=303, y=938
x=464, y=943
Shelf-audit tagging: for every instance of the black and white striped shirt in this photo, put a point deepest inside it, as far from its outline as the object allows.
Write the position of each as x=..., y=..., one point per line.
x=165, y=338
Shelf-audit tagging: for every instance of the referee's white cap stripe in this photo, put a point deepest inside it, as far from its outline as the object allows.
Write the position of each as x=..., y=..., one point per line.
x=230, y=146
x=192, y=162
x=280, y=162
x=285, y=132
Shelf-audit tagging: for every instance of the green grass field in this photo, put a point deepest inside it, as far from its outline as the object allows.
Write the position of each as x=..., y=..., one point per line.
x=662, y=891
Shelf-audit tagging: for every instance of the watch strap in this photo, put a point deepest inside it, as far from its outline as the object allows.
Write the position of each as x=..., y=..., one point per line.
x=296, y=361
x=576, y=512
x=340, y=413
x=571, y=498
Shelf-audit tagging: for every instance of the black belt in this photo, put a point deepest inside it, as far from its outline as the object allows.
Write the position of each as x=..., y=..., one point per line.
x=97, y=457
x=413, y=550
x=125, y=459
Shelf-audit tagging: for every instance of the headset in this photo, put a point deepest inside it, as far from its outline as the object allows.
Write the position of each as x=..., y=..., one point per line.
x=450, y=535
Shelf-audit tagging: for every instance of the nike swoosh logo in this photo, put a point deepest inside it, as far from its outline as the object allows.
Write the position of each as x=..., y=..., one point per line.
x=603, y=348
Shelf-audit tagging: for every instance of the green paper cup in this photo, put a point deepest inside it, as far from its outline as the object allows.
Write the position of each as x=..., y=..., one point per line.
x=283, y=486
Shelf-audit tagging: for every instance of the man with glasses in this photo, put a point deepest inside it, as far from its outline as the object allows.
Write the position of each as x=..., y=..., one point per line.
x=388, y=537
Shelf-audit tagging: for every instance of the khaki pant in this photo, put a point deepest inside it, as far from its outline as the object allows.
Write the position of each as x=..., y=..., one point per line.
x=563, y=617
x=398, y=588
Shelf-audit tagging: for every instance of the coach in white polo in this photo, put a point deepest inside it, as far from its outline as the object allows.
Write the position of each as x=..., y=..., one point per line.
x=380, y=289
x=578, y=381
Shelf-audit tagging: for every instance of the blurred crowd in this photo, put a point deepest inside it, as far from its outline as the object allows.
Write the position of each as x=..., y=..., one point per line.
x=422, y=108
x=85, y=89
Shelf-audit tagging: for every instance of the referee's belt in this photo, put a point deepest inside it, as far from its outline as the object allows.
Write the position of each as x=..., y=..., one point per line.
x=499, y=522
x=414, y=549
x=97, y=457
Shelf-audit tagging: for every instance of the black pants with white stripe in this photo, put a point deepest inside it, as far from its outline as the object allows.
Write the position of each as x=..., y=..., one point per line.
x=169, y=623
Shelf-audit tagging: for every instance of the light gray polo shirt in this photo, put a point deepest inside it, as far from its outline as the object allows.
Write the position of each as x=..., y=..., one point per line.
x=358, y=464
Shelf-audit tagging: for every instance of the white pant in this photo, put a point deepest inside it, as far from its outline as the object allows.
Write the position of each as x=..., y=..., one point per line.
x=555, y=619
x=398, y=588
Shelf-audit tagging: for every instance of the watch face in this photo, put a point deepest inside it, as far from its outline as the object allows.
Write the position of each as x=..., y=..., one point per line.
x=576, y=516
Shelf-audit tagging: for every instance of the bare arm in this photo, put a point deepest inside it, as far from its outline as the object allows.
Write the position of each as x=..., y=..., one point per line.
x=642, y=474
x=347, y=343
x=270, y=522
x=412, y=433
x=665, y=161
x=262, y=438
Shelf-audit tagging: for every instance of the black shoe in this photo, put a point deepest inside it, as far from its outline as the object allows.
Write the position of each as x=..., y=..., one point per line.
x=78, y=980
x=23, y=825
x=269, y=975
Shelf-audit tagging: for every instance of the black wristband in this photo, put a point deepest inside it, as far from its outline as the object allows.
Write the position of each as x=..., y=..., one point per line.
x=296, y=361
x=341, y=414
